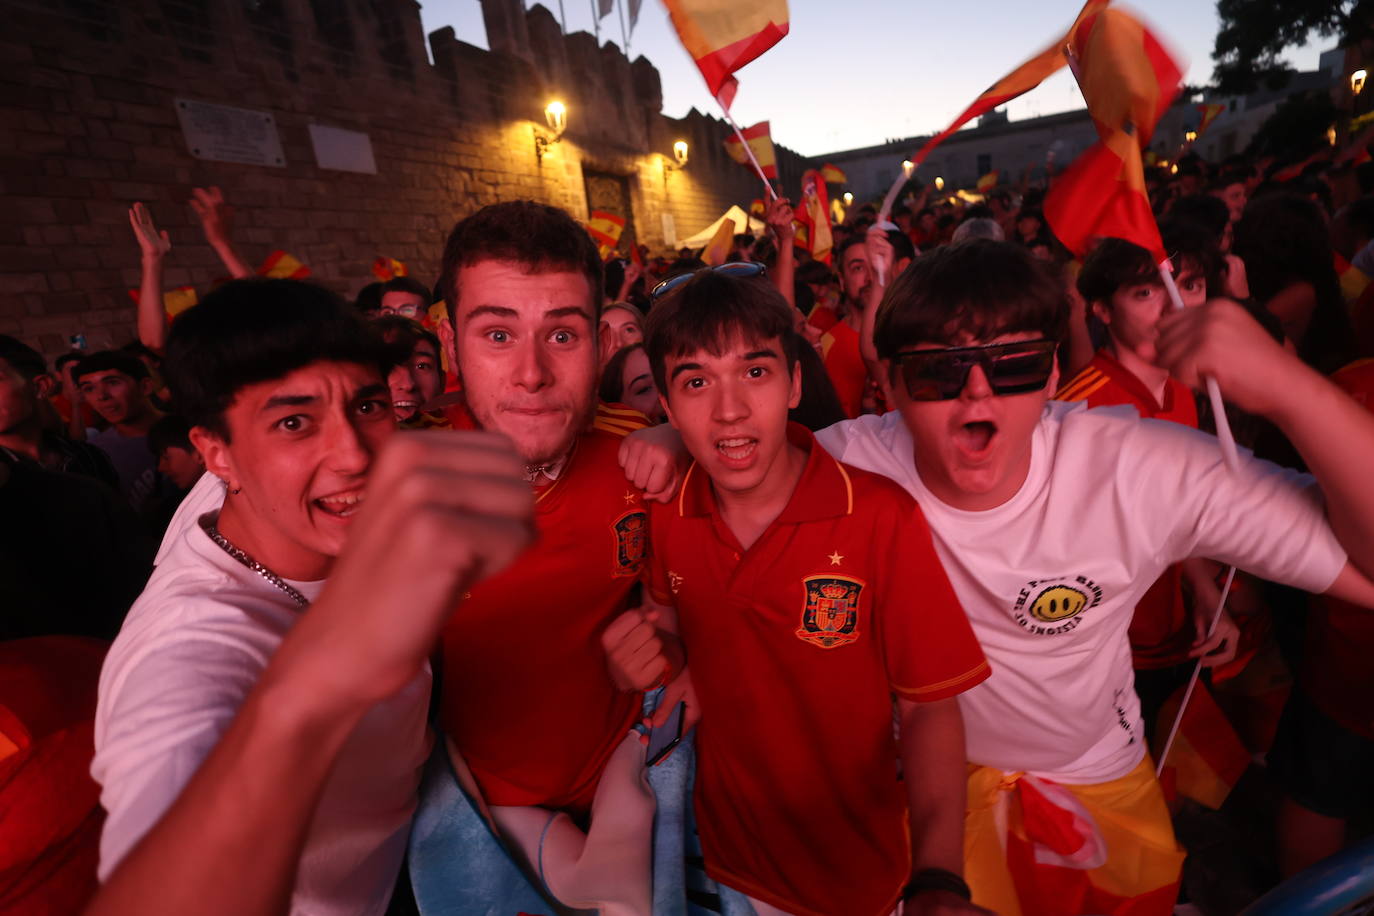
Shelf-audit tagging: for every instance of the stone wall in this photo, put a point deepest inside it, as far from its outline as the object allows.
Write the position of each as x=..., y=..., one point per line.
x=88, y=126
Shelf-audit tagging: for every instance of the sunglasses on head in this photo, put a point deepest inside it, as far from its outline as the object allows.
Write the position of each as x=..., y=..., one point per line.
x=1010, y=368
x=731, y=269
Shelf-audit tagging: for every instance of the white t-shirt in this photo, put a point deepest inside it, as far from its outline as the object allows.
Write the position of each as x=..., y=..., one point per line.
x=193, y=646
x=1050, y=578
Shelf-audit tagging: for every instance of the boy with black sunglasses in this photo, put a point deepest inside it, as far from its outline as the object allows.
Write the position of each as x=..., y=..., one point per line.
x=1052, y=520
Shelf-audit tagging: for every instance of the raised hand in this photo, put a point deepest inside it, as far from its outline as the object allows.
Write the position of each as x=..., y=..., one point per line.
x=151, y=242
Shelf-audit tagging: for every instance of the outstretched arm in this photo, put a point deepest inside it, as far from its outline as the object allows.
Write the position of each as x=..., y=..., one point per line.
x=779, y=220
x=216, y=218
x=154, y=245
x=1333, y=433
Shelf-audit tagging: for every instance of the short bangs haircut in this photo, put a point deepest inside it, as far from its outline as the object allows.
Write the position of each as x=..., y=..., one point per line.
x=120, y=361
x=979, y=287
x=708, y=312
x=541, y=238
x=257, y=330
x=1114, y=265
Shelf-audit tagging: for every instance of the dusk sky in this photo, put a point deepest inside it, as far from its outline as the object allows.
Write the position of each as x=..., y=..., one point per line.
x=858, y=72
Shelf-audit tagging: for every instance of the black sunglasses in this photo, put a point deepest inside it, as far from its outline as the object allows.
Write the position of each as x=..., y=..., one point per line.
x=1010, y=368
x=731, y=269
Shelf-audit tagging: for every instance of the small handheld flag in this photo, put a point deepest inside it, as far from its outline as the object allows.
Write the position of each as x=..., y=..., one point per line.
x=1209, y=114
x=834, y=174
x=385, y=269
x=605, y=229
x=760, y=144
x=282, y=266
x=988, y=181
x=174, y=301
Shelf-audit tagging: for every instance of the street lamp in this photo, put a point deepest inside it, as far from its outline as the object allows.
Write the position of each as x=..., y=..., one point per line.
x=939, y=183
x=848, y=198
x=908, y=167
x=1190, y=135
x=556, y=117
x=1357, y=81
x=680, y=153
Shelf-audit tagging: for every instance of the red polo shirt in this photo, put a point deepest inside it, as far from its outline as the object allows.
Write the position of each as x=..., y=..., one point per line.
x=525, y=693
x=1161, y=630
x=797, y=646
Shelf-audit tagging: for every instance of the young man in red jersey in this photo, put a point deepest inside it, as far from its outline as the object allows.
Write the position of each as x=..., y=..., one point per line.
x=1121, y=285
x=809, y=600
x=526, y=702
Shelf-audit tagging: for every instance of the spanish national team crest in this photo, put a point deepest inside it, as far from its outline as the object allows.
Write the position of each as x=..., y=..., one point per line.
x=631, y=542
x=831, y=615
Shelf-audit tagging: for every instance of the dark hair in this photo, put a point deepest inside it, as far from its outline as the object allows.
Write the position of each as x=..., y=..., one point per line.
x=141, y=350
x=27, y=361
x=817, y=272
x=613, y=277
x=1191, y=245
x=613, y=375
x=1207, y=210
x=980, y=287
x=819, y=406
x=400, y=335
x=1112, y=265
x=69, y=357
x=1283, y=239
x=705, y=311
x=404, y=285
x=256, y=330
x=902, y=246
x=1359, y=216
x=170, y=431
x=539, y=237
x=369, y=298
x=111, y=361
x=855, y=238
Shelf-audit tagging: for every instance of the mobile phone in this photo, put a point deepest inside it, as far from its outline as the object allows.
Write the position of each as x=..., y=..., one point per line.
x=663, y=738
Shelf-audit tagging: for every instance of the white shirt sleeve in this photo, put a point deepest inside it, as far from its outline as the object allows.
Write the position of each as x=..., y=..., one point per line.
x=1264, y=519
x=166, y=708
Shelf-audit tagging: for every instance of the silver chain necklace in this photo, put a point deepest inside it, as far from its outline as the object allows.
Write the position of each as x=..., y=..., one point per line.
x=252, y=564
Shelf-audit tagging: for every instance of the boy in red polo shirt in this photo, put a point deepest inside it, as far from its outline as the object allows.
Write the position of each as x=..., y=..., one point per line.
x=1121, y=285
x=808, y=596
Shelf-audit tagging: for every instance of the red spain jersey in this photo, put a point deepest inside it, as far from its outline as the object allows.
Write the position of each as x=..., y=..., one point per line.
x=1340, y=636
x=845, y=365
x=796, y=647
x=1161, y=631
x=525, y=693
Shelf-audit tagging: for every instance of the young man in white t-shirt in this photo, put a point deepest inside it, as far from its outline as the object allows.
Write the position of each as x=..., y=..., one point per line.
x=1052, y=520
x=285, y=389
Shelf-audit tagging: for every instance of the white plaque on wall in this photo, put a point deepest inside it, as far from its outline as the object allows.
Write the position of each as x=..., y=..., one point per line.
x=344, y=150
x=223, y=133
x=669, y=230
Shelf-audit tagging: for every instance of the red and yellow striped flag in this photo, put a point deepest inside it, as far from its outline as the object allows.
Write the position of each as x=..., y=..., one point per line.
x=1018, y=82
x=757, y=207
x=988, y=181
x=761, y=142
x=385, y=269
x=1209, y=114
x=814, y=212
x=605, y=229
x=282, y=266
x=722, y=37
x=833, y=174
x=1128, y=80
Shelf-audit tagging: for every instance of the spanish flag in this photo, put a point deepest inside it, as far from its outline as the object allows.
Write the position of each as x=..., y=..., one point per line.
x=1207, y=758
x=1018, y=82
x=723, y=36
x=282, y=266
x=814, y=213
x=605, y=229
x=761, y=143
x=174, y=301
x=1209, y=114
x=1128, y=81
x=833, y=174
x=385, y=269
x=988, y=181
x=757, y=207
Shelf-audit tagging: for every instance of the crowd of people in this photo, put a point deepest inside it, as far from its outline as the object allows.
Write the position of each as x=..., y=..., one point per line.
x=858, y=583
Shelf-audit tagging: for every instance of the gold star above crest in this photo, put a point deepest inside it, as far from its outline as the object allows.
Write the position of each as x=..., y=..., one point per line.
x=835, y=558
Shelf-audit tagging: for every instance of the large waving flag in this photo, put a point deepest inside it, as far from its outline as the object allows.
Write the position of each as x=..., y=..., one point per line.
x=833, y=174
x=1128, y=81
x=605, y=229
x=761, y=142
x=1018, y=82
x=724, y=35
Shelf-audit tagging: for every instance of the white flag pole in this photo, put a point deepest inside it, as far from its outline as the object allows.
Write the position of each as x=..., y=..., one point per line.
x=1232, y=459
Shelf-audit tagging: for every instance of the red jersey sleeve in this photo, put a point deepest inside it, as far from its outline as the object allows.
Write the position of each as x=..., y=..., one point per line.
x=928, y=646
x=656, y=576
